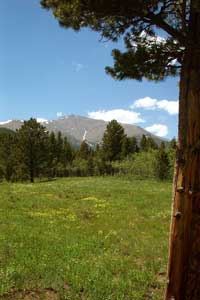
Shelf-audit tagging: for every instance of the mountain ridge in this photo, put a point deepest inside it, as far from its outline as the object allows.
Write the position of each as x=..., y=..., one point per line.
x=79, y=128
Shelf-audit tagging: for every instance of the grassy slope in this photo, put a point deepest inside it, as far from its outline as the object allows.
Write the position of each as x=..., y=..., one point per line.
x=88, y=238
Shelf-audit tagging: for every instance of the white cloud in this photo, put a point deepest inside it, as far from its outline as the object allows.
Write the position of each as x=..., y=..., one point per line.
x=158, y=129
x=59, y=114
x=5, y=122
x=151, y=104
x=145, y=102
x=41, y=120
x=121, y=115
x=77, y=66
x=170, y=106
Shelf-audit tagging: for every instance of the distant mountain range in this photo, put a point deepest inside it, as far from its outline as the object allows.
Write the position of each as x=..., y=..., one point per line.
x=79, y=128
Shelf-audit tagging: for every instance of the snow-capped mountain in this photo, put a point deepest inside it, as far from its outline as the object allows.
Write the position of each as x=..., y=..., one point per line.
x=79, y=128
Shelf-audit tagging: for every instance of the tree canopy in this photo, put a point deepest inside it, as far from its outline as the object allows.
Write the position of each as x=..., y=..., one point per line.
x=147, y=54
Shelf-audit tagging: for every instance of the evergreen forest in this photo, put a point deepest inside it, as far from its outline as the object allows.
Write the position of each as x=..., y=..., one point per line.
x=32, y=153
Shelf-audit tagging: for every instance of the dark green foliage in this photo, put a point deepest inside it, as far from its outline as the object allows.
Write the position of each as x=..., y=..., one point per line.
x=100, y=165
x=162, y=168
x=67, y=152
x=151, y=144
x=129, y=146
x=143, y=143
x=133, y=145
x=59, y=146
x=84, y=151
x=32, y=140
x=125, y=149
x=52, y=155
x=60, y=149
x=60, y=155
x=83, y=163
x=32, y=153
x=8, y=159
x=173, y=144
x=145, y=55
x=147, y=143
x=112, y=141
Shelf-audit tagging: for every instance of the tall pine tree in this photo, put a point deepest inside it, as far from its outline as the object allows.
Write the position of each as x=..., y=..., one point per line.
x=143, y=143
x=129, y=146
x=33, y=148
x=8, y=159
x=67, y=152
x=52, y=148
x=148, y=56
x=84, y=151
x=112, y=141
x=162, y=163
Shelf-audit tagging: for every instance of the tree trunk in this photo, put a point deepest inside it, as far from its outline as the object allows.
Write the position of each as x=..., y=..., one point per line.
x=31, y=177
x=31, y=171
x=184, y=258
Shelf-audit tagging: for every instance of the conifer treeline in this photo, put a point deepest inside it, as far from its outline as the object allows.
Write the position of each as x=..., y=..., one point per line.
x=32, y=152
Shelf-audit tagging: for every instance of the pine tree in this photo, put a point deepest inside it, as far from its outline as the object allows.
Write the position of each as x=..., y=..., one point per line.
x=133, y=146
x=173, y=144
x=8, y=160
x=84, y=151
x=52, y=148
x=154, y=58
x=125, y=148
x=147, y=143
x=129, y=146
x=112, y=141
x=143, y=143
x=33, y=148
x=59, y=147
x=151, y=144
x=67, y=152
x=162, y=163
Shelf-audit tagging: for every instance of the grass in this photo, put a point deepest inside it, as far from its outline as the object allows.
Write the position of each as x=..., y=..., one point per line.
x=84, y=238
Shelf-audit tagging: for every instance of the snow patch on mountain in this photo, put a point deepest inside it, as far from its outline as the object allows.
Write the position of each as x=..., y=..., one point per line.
x=41, y=120
x=5, y=122
x=84, y=136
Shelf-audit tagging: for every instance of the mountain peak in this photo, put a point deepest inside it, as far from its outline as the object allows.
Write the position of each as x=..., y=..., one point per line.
x=76, y=128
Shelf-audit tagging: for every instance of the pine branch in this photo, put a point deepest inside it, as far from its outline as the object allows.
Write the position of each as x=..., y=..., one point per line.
x=155, y=19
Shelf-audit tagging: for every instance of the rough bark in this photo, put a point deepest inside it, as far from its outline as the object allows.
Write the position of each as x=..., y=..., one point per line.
x=184, y=259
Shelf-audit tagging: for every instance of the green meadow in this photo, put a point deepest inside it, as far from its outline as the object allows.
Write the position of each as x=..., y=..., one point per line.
x=95, y=238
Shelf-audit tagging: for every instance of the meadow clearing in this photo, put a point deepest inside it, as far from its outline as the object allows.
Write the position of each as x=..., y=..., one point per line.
x=95, y=238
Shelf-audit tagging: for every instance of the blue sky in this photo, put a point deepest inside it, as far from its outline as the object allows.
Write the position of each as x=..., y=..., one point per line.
x=46, y=71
